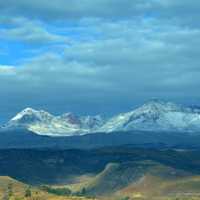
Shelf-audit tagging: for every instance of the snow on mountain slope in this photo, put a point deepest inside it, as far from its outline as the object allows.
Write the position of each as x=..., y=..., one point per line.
x=156, y=116
x=152, y=116
x=30, y=115
x=43, y=123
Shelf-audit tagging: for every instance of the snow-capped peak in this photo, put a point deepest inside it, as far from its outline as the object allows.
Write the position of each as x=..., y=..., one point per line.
x=158, y=105
x=30, y=115
x=154, y=115
x=26, y=111
x=44, y=123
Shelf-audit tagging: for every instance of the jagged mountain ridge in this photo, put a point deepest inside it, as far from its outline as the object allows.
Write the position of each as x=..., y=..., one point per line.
x=44, y=123
x=152, y=116
x=156, y=116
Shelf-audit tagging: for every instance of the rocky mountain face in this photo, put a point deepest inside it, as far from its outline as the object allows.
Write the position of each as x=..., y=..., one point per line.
x=44, y=123
x=152, y=116
x=156, y=116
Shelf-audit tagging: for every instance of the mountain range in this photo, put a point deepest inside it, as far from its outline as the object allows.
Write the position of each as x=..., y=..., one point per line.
x=154, y=116
x=44, y=123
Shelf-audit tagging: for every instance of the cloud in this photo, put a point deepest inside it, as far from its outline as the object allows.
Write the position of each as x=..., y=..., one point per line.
x=30, y=32
x=133, y=64
x=99, y=56
x=73, y=9
x=183, y=11
x=7, y=70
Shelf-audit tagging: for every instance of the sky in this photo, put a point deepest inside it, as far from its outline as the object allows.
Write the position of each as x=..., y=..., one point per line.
x=97, y=56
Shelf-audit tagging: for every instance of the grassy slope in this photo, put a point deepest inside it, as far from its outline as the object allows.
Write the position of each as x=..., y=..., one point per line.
x=19, y=188
x=141, y=180
x=151, y=188
x=145, y=180
x=138, y=173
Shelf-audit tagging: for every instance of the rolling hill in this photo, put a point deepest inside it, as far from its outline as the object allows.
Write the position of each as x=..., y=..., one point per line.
x=140, y=180
x=122, y=172
x=11, y=189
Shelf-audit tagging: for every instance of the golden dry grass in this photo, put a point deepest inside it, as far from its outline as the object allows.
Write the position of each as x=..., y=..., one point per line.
x=156, y=188
x=18, y=191
x=148, y=187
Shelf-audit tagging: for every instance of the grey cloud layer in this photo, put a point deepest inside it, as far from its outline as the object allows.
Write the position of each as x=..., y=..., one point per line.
x=130, y=62
x=74, y=8
x=114, y=53
x=65, y=9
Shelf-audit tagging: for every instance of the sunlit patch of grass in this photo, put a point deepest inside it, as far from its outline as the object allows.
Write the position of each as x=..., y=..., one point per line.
x=15, y=190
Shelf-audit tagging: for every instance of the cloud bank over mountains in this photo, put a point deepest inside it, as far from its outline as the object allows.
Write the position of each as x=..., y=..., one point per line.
x=95, y=56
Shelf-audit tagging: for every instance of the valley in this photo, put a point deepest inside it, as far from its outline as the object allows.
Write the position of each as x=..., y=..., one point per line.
x=121, y=172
